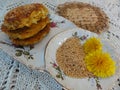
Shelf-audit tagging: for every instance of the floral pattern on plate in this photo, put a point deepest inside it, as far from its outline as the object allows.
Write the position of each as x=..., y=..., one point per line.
x=74, y=83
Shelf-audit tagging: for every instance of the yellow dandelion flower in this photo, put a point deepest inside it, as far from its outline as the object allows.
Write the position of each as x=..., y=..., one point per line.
x=100, y=64
x=92, y=44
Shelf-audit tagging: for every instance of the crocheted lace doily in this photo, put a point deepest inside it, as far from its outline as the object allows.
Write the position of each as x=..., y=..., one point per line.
x=15, y=76
x=110, y=7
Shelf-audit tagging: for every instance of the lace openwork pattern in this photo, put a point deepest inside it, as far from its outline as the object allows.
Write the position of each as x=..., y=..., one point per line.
x=15, y=76
x=110, y=7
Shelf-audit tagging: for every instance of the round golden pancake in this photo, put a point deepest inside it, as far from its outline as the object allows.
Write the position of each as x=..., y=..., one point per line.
x=25, y=15
x=26, y=32
x=32, y=40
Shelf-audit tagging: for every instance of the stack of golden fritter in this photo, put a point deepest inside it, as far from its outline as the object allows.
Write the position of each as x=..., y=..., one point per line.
x=27, y=24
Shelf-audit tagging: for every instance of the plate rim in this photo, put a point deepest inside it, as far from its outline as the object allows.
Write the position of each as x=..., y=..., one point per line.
x=67, y=38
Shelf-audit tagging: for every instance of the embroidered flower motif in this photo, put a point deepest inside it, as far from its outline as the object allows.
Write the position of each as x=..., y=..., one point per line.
x=20, y=50
x=53, y=24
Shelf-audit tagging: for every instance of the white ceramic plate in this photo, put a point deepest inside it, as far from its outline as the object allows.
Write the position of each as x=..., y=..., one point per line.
x=37, y=51
x=73, y=83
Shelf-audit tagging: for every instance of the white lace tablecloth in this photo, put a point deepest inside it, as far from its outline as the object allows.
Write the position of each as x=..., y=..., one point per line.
x=16, y=76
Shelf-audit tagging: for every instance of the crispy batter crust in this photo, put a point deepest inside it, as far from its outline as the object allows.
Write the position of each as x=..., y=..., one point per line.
x=26, y=32
x=32, y=40
x=25, y=16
